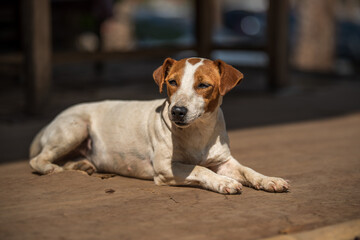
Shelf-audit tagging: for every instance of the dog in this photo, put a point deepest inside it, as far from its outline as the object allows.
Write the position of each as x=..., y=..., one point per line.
x=180, y=140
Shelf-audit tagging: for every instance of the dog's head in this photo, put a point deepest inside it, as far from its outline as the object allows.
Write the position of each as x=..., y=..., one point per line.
x=195, y=86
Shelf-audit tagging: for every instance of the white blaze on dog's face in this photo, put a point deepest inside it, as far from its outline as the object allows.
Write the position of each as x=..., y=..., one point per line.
x=195, y=86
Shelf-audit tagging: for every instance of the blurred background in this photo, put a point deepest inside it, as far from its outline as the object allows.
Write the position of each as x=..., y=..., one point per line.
x=300, y=58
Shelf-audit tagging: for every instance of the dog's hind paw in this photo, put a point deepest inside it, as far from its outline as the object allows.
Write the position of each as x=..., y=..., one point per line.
x=82, y=165
x=52, y=168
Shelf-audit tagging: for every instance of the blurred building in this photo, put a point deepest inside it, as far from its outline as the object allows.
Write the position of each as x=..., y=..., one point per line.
x=317, y=36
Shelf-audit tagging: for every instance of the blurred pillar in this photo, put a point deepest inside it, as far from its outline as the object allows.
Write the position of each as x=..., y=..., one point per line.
x=37, y=48
x=204, y=26
x=315, y=45
x=218, y=14
x=277, y=43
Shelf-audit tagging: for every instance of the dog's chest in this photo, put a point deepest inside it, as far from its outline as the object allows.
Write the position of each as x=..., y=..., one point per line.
x=205, y=152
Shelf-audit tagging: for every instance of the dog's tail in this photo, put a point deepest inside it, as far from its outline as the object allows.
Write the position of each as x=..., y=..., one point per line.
x=36, y=147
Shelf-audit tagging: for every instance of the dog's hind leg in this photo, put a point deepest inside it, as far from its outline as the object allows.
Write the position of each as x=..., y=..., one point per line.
x=58, y=139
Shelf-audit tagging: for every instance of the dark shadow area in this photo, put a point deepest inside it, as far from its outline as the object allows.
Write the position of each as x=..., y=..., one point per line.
x=310, y=97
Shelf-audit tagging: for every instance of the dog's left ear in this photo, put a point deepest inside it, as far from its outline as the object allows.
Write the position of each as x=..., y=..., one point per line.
x=161, y=72
x=229, y=76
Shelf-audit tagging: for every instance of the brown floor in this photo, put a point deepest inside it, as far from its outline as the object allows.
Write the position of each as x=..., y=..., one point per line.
x=320, y=157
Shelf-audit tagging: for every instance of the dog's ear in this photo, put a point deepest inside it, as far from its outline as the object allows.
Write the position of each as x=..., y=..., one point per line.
x=229, y=76
x=161, y=72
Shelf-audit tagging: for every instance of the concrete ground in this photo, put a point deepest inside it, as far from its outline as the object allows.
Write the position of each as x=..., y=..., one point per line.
x=309, y=134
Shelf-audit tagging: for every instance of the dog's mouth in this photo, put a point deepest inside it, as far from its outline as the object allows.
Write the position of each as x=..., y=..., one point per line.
x=186, y=123
x=181, y=124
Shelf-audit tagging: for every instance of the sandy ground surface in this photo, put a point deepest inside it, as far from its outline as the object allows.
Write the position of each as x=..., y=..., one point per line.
x=321, y=158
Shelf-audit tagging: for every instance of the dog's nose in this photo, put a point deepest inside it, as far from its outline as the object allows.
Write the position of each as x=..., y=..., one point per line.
x=178, y=113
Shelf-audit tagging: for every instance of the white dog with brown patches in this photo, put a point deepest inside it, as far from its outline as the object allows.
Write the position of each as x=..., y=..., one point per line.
x=178, y=141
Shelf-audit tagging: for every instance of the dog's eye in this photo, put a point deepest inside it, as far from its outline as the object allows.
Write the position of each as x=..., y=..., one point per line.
x=172, y=82
x=203, y=85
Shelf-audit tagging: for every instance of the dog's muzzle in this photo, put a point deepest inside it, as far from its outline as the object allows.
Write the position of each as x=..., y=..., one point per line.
x=178, y=115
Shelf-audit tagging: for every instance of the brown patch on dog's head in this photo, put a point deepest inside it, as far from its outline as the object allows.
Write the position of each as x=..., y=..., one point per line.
x=193, y=61
x=162, y=72
x=174, y=76
x=229, y=77
x=206, y=84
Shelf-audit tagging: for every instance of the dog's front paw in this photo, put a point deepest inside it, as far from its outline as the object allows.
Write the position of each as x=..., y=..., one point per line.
x=226, y=185
x=273, y=184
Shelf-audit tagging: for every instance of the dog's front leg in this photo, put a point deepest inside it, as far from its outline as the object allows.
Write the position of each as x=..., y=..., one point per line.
x=249, y=177
x=193, y=175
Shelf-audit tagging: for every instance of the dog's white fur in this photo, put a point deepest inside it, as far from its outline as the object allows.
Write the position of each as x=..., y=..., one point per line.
x=138, y=139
